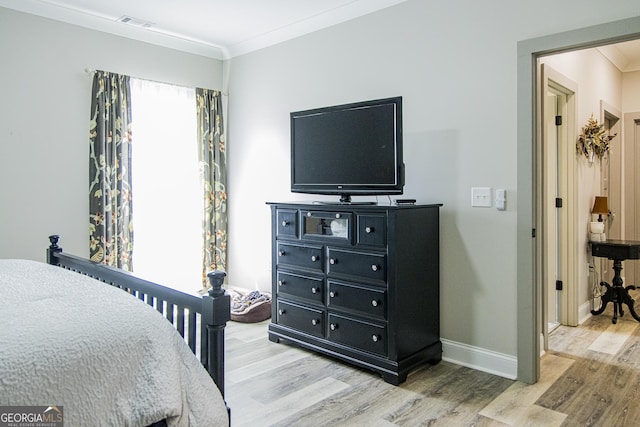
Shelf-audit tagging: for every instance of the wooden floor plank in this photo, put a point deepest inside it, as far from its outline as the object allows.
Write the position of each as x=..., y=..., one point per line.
x=590, y=376
x=612, y=340
x=515, y=403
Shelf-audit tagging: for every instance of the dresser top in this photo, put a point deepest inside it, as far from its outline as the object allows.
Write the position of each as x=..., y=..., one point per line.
x=352, y=206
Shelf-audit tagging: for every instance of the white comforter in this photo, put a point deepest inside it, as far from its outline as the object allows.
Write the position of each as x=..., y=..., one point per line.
x=106, y=357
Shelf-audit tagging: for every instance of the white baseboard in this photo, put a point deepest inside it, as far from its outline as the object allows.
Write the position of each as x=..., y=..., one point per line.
x=492, y=362
x=484, y=360
x=584, y=312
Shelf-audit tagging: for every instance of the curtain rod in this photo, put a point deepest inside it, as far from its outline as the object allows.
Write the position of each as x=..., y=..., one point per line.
x=91, y=72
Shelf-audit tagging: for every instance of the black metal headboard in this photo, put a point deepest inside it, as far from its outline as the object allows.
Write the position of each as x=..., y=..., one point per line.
x=180, y=309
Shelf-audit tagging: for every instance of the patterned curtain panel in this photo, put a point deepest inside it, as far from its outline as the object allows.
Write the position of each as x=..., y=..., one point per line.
x=110, y=226
x=213, y=169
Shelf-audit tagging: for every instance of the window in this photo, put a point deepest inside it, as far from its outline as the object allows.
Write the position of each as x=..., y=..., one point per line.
x=166, y=194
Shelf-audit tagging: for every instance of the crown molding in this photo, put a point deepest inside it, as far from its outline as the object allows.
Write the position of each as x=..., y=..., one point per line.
x=109, y=24
x=84, y=17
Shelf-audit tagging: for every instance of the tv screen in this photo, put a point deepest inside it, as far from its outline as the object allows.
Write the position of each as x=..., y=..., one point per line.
x=348, y=149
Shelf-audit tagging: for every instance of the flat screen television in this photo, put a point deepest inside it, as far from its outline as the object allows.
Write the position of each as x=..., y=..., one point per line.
x=351, y=149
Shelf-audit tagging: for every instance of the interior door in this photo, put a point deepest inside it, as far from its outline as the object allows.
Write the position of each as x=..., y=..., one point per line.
x=611, y=181
x=557, y=202
x=552, y=262
x=631, y=193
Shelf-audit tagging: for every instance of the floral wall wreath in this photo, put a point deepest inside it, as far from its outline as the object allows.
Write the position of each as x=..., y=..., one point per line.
x=593, y=140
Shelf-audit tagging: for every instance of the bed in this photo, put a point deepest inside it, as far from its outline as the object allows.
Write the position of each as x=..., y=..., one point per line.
x=107, y=354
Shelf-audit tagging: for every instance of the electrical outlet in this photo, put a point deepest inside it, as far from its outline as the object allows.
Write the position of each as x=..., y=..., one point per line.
x=481, y=197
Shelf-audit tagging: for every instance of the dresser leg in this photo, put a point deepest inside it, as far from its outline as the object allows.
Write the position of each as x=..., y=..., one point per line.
x=273, y=338
x=394, y=379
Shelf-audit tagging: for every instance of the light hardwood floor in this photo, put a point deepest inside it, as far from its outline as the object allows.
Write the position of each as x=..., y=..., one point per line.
x=591, y=376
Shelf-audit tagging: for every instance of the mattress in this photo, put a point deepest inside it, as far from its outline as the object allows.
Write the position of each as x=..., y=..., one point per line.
x=103, y=355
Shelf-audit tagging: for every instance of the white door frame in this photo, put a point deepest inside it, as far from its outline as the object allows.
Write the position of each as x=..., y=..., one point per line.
x=528, y=298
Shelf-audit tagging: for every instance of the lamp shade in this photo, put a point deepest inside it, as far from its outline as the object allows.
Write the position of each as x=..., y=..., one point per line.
x=600, y=206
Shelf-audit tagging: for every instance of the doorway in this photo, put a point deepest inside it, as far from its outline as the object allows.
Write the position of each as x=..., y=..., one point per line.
x=529, y=280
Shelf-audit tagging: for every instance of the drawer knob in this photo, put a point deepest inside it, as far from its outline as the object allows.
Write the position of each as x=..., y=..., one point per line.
x=374, y=303
x=315, y=322
x=281, y=312
x=281, y=282
x=314, y=258
x=338, y=215
x=333, y=261
x=369, y=230
x=333, y=326
x=376, y=338
x=315, y=290
x=333, y=294
x=375, y=267
x=285, y=223
x=281, y=253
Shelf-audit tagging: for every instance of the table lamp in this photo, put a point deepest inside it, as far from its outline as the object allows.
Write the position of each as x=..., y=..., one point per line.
x=600, y=207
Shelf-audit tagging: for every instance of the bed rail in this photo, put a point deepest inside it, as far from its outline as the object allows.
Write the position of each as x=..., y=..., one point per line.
x=180, y=309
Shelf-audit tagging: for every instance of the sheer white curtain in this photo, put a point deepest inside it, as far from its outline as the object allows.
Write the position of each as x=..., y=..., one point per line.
x=166, y=194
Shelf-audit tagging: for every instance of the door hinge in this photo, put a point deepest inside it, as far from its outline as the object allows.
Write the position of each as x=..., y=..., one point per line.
x=558, y=285
x=558, y=120
x=533, y=232
x=558, y=202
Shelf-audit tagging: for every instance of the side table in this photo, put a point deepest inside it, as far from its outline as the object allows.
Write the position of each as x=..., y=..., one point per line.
x=617, y=251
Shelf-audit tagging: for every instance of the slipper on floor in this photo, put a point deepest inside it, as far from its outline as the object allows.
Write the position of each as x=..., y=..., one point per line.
x=250, y=306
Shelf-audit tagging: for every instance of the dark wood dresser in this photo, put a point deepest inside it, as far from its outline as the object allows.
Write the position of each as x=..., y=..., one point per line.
x=359, y=283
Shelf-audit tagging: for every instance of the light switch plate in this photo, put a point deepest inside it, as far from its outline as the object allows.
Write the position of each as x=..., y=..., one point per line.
x=501, y=199
x=481, y=197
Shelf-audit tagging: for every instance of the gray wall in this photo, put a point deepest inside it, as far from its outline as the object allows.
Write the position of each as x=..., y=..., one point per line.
x=630, y=95
x=455, y=64
x=44, y=122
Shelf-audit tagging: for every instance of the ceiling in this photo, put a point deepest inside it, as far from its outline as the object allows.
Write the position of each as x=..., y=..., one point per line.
x=226, y=28
x=216, y=28
x=625, y=55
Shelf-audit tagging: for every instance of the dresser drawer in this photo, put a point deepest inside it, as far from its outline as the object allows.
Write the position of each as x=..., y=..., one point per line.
x=301, y=318
x=326, y=226
x=299, y=286
x=365, y=336
x=349, y=297
x=306, y=256
x=364, y=265
x=286, y=223
x=372, y=230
